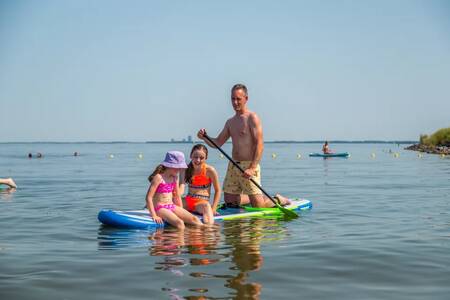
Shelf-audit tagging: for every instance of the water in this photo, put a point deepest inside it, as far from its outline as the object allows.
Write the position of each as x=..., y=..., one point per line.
x=379, y=228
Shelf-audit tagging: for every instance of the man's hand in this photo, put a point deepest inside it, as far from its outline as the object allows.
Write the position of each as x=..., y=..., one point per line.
x=201, y=133
x=249, y=173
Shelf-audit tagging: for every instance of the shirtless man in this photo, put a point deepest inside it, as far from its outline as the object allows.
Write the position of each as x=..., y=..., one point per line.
x=246, y=134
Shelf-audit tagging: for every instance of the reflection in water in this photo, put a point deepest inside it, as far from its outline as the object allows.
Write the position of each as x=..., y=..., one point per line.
x=176, y=246
x=325, y=167
x=6, y=194
x=243, y=239
x=181, y=252
x=168, y=243
x=114, y=238
x=246, y=237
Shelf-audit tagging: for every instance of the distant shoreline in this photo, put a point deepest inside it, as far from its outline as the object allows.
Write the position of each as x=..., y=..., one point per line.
x=430, y=149
x=194, y=142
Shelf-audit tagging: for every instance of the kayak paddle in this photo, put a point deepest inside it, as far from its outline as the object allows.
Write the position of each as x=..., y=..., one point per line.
x=288, y=213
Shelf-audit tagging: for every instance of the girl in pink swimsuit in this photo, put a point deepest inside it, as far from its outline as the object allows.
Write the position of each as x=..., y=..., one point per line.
x=163, y=197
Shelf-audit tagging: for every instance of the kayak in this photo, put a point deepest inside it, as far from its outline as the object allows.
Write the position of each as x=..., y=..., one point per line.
x=342, y=154
x=141, y=219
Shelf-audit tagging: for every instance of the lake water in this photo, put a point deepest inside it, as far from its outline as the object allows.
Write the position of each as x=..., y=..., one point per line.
x=379, y=228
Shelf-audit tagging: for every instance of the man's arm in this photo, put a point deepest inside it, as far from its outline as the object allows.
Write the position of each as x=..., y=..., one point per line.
x=257, y=135
x=223, y=136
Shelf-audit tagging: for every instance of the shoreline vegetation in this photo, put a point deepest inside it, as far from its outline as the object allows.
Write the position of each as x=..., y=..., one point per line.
x=437, y=143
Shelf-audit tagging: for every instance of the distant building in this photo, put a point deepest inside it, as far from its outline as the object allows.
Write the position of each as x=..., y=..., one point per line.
x=189, y=138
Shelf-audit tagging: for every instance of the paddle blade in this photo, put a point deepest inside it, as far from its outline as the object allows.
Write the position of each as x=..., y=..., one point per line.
x=287, y=212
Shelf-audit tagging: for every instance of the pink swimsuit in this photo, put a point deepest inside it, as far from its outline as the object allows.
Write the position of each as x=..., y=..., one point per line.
x=166, y=187
x=169, y=206
x=162, y=189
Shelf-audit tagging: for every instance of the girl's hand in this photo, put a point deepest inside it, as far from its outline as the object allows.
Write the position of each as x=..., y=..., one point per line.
x=158, y=220
x=215, y=213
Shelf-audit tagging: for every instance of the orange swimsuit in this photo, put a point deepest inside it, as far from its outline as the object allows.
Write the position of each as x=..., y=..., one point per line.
x=200, y=181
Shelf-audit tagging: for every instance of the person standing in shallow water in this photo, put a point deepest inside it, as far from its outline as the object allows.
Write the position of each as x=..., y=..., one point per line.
x=246, y=134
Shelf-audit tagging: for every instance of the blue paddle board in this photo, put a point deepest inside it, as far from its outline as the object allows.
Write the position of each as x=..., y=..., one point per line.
x=342, y=154
x=141, y=219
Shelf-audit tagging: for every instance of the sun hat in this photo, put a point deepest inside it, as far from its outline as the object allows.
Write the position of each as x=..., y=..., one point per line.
x=174, y=159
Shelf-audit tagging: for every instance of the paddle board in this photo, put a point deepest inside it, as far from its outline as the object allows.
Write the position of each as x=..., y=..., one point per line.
x=141, y=219
x=342, y=154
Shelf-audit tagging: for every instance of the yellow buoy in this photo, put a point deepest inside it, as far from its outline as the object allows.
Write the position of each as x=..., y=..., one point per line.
x=419, y=155
x=299, y=156
x=442, y=155
x=373, y=155
x=111, y=156
x=274, y=155
x=396, y=155
x=140, y=156
x=221, y=156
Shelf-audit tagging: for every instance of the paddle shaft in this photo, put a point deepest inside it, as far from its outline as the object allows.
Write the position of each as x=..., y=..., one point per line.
x=239, y=167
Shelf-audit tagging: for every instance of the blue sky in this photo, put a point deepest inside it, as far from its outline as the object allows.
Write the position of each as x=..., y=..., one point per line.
x=155, y=70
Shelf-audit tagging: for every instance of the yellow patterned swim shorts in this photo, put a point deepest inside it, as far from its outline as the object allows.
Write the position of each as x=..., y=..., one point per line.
x=236, y=184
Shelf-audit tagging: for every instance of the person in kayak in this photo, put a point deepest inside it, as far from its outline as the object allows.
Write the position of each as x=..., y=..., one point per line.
x=9, y=182
x=163, y=198
x=246, y=134
x=199, y=177
x=326, y=149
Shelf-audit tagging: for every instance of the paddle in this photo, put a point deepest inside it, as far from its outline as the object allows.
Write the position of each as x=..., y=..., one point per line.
x=288, y=213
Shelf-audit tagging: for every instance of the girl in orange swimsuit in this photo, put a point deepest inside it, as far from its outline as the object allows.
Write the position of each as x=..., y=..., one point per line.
x=200, y=177
x=163, y=197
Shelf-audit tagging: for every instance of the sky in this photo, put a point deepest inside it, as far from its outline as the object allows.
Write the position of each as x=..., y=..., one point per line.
x=155, y=70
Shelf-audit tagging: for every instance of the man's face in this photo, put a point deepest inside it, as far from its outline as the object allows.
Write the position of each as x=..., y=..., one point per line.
x=238, y=99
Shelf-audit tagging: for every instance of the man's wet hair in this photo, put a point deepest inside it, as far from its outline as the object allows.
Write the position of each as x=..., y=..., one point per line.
x=239, y=86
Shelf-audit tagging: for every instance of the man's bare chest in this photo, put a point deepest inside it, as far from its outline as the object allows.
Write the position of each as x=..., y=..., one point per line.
x=239, y=127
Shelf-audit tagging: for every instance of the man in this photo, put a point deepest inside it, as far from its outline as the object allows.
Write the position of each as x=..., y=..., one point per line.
x=246, y=134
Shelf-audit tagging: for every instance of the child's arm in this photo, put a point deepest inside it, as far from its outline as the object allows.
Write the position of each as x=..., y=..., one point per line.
x=212, y=173
x=182, y=184
x=149, y=197
x=176, y=198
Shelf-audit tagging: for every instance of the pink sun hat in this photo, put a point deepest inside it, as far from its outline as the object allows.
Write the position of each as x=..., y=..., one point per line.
x=174, y=159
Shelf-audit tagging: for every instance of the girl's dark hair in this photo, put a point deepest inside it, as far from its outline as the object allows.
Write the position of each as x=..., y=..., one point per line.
x=190, y=168
x=159, y=169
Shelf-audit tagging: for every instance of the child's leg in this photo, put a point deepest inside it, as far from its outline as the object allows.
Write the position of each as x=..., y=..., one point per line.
x=9, y=182
x=206, y=210
x=171, y=218
x=186, y=216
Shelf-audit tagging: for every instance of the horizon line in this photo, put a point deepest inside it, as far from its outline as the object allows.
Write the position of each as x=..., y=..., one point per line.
x=372, y=141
